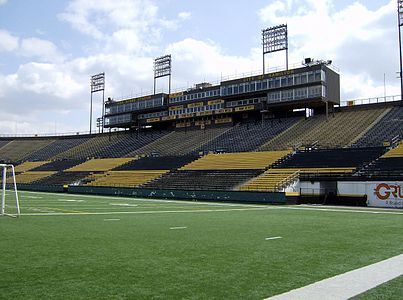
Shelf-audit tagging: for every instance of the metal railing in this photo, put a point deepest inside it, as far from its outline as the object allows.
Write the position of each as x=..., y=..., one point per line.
x=77, y=133
x=373, y=100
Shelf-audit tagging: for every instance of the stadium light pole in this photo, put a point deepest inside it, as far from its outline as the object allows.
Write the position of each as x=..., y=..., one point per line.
x=400, y=24
x=275, y=39
x=162, y=68
x=97, y=85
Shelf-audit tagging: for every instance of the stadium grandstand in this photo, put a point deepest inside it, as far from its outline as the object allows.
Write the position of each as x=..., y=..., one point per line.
x=284, y=132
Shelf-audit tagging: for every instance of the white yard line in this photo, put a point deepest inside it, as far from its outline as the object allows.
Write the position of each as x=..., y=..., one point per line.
x=349, y=284
x=177, y=228
x=70, y=200
x=106, y=220
x=273, y=238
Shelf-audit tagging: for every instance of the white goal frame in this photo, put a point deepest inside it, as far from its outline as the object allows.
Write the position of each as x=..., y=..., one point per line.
x=3, y=192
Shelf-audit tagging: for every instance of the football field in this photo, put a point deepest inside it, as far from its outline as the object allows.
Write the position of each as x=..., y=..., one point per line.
x=67, y=246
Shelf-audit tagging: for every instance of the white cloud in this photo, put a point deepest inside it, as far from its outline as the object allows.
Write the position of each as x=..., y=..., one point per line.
x=121, y=25
x=361, y=42
x=101, y=18
x=45, y=50
x=60, y=91
x=184, y=15
x=8, y=42
x=195, y=61
x=3, y=2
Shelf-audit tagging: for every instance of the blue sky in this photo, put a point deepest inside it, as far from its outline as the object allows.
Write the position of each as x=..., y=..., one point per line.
x=49, y=49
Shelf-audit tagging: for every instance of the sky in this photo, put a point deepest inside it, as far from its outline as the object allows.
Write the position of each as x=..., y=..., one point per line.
x=49, y=50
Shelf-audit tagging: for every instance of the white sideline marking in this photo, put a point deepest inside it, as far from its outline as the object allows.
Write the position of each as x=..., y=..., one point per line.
x=70, y=200
x=176, y=228
x=33, y=197
x=350, y=284
x=111, y=219
x=40, y=210
x=150, y=200
x=366, y=210
x=123, y=204
x=144, y=212
x=361, y=211
x=273, y=238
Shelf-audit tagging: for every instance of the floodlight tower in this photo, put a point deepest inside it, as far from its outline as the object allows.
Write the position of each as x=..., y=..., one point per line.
x=400, y=23
x=162, y=68
x=97, y=85
x=275, y=39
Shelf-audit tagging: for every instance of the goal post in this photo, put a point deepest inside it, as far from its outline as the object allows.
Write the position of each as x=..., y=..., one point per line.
x=12, y=210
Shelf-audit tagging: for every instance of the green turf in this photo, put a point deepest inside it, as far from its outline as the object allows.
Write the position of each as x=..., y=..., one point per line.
x=392, y=290
x=73, y=250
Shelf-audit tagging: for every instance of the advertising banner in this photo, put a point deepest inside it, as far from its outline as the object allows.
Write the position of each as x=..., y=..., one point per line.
x=385, y=194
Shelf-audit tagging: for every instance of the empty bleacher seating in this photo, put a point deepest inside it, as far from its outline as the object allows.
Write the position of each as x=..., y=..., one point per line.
x=59, y=165
x=248, y=136
x=64, y=178
x=99, y=165
x=89, y=148
x=339, y=130
x=153, y=158
x=180, y=142
x=271, y=180
x=126, y=178
x=203, y=180
x=237, y=161
x=31, y=177
x=387, y=167
x=321, y=163
x=390, y=126
x=332, y=158
x=396, y=152
x=157, y=163
x=129, y=142
x=29, y=165
x=58, y=146
x=4, y=142
x=16, y=150
x=218, y=171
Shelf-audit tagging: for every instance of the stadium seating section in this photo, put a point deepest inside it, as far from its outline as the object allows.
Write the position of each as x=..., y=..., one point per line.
x=30, y=177
x=203, y=180
x=248, y=136
x=58, y=146
x=99, y=165
x=271, y=180
x=387, y=167
x=237, y=161
x=258, y=155
x=127, y=178
x=29, y=165
x=339, y=130
x=18, y=149
x=180, y=142
x=389, y=127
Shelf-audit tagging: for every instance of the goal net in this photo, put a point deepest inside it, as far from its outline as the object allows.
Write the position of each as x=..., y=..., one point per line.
x=10, y=205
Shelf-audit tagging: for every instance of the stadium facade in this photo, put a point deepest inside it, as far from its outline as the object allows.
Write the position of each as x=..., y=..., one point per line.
x=315, y=86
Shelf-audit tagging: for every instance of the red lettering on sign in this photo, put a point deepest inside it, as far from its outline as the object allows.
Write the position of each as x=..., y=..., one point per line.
x=384, y=190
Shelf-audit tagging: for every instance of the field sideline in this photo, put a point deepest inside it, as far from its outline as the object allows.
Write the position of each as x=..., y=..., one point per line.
x=86, y=247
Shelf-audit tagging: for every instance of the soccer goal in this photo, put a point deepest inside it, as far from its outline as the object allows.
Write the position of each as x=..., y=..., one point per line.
x=12, y=208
